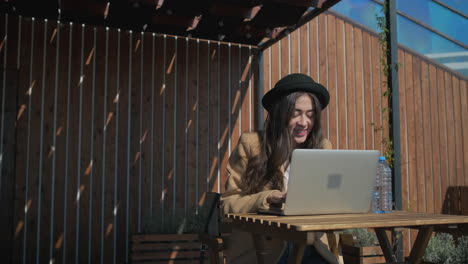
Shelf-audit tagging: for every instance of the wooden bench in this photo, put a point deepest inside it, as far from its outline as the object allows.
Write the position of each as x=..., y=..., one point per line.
x=167, y=248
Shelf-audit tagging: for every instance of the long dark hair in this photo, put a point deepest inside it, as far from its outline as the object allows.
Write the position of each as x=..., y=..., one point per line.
x=276, y=144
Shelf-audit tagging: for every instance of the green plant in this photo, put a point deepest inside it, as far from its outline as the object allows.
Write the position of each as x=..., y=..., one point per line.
x=444, y=249
x=386, y=68
x=176, y=222
x=363, y=237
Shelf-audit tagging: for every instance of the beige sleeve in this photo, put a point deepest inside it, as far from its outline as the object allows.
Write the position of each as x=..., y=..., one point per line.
x=234, y=199
x=326, y=144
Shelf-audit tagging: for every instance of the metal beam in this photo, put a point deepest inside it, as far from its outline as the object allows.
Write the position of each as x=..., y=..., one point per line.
x=392, y=60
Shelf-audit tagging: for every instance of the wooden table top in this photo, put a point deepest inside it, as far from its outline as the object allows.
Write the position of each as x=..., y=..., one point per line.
x=347, y=221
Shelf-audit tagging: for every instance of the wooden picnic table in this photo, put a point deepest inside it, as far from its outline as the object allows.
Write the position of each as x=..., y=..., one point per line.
x=299, y=230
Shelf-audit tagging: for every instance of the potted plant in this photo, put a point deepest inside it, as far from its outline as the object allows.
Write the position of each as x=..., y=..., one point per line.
x=360, y=246
x=444, y=249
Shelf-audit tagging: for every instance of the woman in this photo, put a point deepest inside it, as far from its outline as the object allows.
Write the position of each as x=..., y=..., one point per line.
x=258, y=167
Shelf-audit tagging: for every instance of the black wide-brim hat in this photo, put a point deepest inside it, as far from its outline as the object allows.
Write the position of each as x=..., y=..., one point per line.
x=295, y=82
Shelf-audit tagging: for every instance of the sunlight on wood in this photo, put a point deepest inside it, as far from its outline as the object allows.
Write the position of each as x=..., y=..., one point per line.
x=223, y=138
x=27, y=206
x=106, y=10
x=109, y=229
x=159, y=3
x=213, y=54
x=80, y=82
x=19, y=227
x=202, y=199
x=88, y=169
x=116, y=208
x=246, y=70
x=78, y=194
x=109, y=118
x=59, y=242
x=163, y=194
x=54, y=34
x=51, y=151
x=137, y=156
x=116, y=98
x=90, y=56
x=170, y=174
x=29, y=91
x=169, y=69
x=59, y=131
x=3, y=43
x=195, y=105
x=174, y=255
x=20, y=111
x=235, y=104
x=137, y=45
x=143, y=138
x=189, y=124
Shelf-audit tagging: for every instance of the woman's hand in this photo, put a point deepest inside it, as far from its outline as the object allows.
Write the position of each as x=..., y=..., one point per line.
x=276, y=197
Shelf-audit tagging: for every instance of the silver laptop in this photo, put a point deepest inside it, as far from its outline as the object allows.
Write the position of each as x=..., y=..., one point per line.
x=329, y=182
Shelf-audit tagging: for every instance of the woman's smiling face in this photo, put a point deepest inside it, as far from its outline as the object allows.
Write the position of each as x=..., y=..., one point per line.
x=302, y=120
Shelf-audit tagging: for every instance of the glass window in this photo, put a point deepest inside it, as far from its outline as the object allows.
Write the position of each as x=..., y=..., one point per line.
x=460, y=5
x=436, y=16
x=423, y=40
x=361, y=11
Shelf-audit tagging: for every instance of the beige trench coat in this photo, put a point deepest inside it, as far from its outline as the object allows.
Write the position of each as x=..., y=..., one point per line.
x=240, y=248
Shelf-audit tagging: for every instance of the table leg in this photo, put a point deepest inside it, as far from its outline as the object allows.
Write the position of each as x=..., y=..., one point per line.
x=295, y=256
x=385, y=245
x=417, y=252
x=335, y=246
x=259, y=248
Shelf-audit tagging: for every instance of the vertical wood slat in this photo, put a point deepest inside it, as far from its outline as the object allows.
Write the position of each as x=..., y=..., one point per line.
x=9, y=33
x=342, y=89
x=451, y=139
x=435, y=161
x=350, y=85
x=464, y=121
x=22, y=146
x=367, y=70
x=419, y=139
x=427, y=176
x=327, y=77
x=323, y=64
x=403, y=148
x=359, y=90
x=458, y=125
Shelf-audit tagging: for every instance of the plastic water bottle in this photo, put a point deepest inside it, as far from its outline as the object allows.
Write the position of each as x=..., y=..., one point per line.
x=376, y=197
x=382, y=193
x=386, y=194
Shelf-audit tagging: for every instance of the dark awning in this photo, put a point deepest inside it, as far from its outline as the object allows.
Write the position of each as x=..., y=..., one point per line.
x=252, y=22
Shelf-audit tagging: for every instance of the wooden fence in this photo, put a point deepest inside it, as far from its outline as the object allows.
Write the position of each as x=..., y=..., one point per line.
x=111, y=125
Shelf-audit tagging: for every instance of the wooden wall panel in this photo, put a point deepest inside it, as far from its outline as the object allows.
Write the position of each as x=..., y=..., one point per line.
x=346, y=59
x=114, y=126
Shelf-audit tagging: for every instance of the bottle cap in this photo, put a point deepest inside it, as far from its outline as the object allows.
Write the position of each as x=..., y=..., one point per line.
x=381, y=158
